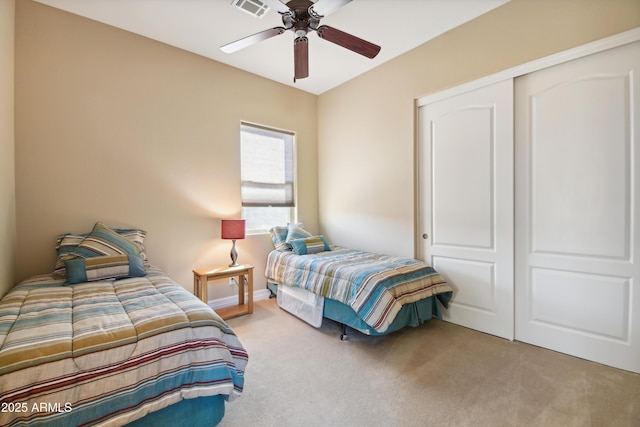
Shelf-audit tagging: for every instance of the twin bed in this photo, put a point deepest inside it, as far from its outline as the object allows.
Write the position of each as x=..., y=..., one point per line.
x=109, y=339
x=372, y=293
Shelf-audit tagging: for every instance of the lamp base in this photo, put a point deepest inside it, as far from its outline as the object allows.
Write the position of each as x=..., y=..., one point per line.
x=234, y=256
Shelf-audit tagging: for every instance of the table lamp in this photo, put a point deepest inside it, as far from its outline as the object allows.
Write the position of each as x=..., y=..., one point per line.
x=233, y=229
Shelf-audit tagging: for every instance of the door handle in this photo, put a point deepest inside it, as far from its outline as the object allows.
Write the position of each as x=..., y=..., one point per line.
x=425, y=236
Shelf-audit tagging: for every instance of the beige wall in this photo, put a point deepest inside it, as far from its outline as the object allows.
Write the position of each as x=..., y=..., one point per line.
x=7, y=174
x=114, y=127
x=372, y=117
x=118, y=128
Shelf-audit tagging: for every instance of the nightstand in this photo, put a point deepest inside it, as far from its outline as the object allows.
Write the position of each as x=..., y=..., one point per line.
x=201, y=278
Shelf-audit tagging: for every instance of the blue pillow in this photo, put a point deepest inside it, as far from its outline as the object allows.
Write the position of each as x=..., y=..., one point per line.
x=310, y=245
x=81, y=270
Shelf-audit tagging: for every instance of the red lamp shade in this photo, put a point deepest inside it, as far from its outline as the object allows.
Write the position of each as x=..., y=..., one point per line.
x=233, y=229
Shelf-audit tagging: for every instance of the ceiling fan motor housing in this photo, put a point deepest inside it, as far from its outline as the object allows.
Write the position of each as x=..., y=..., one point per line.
x=299, y=19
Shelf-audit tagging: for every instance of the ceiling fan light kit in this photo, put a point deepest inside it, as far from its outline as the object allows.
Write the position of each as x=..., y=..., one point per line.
x=302, y=16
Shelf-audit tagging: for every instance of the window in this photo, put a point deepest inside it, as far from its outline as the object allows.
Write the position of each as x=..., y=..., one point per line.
x=267, y=174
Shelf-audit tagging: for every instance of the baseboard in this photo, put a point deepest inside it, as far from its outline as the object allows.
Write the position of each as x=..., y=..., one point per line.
x=233, y=300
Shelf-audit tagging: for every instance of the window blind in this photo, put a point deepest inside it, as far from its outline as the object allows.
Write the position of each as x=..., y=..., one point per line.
x=266, y=166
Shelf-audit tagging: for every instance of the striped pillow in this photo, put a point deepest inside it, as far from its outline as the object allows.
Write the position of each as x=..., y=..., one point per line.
x=297, y=231
x=104, y=241
x=310, y=245
x=81, y=270
x=279, y=237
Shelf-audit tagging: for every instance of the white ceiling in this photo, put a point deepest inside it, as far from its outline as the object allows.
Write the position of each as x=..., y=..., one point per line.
x=202, y=26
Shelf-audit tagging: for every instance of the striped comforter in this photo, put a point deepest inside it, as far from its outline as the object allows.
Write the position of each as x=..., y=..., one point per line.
x=375, y=286
x=109, y=352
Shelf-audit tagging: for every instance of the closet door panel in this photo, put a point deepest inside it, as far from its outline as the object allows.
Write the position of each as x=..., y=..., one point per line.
x=463, y=202
x=578, y=207
x=601, y=317
x=580, y=144
x=481, y=295
x=466, y=199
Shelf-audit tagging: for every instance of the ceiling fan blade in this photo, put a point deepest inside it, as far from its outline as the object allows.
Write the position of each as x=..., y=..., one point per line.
x=277, y=5
x=252, y=39
x=301, y=58
x=348, y=41
x=325, y=7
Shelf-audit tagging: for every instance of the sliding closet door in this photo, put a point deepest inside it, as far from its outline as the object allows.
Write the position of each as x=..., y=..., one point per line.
x=465, y=152
x=578, y=207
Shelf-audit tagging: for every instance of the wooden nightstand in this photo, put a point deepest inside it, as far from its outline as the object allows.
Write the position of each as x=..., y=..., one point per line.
x=201, y=278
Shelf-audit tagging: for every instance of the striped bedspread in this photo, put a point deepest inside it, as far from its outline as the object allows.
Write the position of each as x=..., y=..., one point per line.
x=375, y=286
x=109, y=352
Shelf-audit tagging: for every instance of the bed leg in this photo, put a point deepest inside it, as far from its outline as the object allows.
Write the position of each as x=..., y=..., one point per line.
x=343, y=335
x=271, y=294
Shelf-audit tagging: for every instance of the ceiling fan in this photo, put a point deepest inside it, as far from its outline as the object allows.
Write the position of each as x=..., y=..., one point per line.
x=302, y=16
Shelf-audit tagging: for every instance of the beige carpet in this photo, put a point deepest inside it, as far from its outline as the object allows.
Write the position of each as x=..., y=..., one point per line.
x=438, y=374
